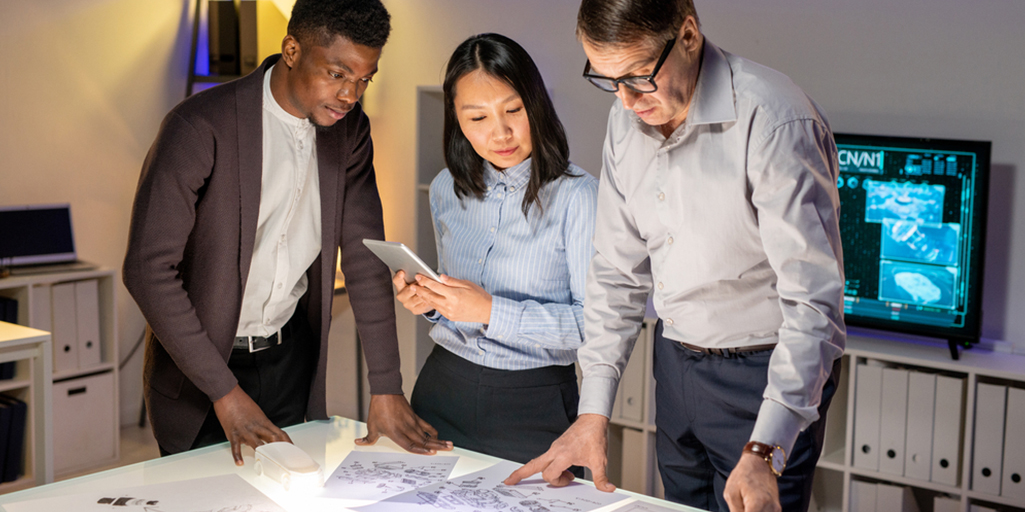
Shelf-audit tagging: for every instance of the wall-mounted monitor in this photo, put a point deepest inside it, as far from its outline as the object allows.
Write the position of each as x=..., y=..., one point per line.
x=913, y=228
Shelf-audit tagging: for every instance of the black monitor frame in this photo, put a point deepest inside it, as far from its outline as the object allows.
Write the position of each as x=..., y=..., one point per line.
x=969, y=332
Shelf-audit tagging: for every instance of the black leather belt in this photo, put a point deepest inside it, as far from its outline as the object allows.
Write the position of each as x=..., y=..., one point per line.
x=258, y=343
x=727, y=352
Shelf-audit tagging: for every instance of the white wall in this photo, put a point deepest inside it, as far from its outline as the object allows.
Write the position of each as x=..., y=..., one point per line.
x=943, y=68
x=83, y=87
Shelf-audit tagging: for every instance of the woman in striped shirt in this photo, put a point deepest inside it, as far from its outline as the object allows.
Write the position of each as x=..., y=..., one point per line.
x=513, y=223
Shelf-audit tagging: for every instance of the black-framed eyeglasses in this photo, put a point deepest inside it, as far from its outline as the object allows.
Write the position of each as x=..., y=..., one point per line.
x=639, y=84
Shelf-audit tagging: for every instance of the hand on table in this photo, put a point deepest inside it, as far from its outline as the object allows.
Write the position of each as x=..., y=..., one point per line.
x=244, y=423
x=455, y=299
x=585, y=443
x=392, y=417
x=751, y=486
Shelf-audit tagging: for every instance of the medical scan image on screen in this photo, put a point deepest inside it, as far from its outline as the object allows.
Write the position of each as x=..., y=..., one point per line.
x=906, y=217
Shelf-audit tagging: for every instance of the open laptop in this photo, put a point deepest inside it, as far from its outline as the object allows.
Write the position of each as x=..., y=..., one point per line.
x=38, y=239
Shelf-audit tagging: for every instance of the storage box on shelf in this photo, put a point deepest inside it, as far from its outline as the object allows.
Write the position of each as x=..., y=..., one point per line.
x=910, y=416
x=79, y=308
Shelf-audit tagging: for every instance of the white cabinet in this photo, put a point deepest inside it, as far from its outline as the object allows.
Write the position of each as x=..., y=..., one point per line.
x=79, y=308
x=958, y=418
x=30, y=350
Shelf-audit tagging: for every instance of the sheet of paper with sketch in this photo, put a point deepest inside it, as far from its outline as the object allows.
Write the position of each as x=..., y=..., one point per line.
x=484, y=491
x=378, y=475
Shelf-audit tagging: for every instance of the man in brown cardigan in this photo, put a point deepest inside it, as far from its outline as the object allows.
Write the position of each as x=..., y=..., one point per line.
x=245, y=197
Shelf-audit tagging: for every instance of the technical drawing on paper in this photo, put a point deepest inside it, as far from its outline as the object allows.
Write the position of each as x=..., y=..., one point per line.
x=226, y=493
x=378, y=475
x=484, y=491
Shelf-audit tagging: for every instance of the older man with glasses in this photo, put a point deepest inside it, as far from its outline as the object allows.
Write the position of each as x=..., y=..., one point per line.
x=718, y=197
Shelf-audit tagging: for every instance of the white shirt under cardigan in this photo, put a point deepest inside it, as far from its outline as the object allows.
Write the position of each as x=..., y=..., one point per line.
x=731, y=223
x=288, y=229
x=534, y=267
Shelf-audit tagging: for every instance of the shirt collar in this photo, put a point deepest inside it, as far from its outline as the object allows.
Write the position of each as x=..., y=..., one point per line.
x=713, y=96
x=297, y=124
x=515, y=176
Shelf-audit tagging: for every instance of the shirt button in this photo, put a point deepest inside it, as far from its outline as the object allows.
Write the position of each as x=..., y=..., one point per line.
x=512, y=189
x=537, y=345
x=661, y=196
x=481, y=261
x=300, y=145
x=499, y=196
x=280, y=285
x=660, y=286
x=481, y=352
x=498, y=337
x=669, y=321
x=492, y=230
x=670, y=241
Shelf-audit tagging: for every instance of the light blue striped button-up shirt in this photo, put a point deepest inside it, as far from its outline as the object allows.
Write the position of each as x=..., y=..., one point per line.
x=534, y=267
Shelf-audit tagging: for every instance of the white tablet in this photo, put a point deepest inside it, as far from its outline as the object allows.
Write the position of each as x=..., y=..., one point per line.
x=399, y=257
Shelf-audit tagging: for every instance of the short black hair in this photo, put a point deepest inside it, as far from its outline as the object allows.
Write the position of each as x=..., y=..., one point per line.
x=317, y=22
x=504, y=59
x=627, y=22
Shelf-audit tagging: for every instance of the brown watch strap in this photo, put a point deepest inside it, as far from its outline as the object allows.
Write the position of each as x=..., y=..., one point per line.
x=766, y=452
x=760, y=449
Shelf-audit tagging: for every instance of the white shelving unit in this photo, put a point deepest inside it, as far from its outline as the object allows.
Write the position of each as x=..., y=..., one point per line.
x=430, y=160
x=836, y=469
x=632, y=463
x=85, y=431
x=30, y=349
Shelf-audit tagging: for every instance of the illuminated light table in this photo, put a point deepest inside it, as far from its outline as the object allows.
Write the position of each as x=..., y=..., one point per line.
x=327, y=441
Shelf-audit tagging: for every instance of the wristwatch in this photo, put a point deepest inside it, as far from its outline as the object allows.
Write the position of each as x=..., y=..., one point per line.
x=772, y=454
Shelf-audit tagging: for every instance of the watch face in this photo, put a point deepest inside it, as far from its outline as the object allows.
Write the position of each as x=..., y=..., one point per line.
x=778, y=460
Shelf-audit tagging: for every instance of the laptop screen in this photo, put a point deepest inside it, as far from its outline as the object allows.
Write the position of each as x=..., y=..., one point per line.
x=36, y=234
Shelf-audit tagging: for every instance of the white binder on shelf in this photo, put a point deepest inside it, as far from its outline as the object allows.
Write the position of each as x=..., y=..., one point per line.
x=990, y=404
x=945, y=504
x=918, y=442
x=65, y=328
x=946, y=430
x=40, y=316
x=893, y=421
x=87, y=313
x=895, y=498
x=863, y=496
x=1013, y=485
x=867, y=396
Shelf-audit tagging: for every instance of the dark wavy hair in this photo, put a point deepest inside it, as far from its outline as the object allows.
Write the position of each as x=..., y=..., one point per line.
x=317, y=22
x=505, y=60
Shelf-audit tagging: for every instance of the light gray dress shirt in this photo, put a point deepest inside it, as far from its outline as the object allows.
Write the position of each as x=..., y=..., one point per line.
x=732, y=223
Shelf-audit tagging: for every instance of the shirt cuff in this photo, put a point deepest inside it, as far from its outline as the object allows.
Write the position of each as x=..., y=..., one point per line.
x=504, y=324
x=432, y=316
x=776, y=426
x=597, y=395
